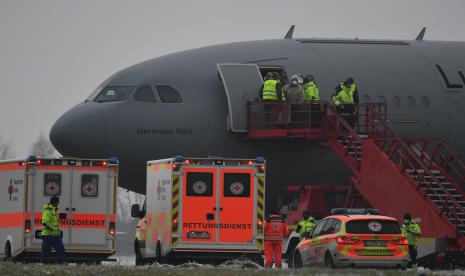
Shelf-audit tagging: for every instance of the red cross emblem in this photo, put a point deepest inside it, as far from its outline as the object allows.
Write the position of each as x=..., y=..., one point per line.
x=10, y=188
x=89, y=189
x=276, y=226
x=237, y=188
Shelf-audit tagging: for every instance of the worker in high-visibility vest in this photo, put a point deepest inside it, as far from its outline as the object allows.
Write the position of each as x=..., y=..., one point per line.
x=275, y=230
x=312, y=94
x=50, y=233
x=345, y=97
x=270, y=93
x=412, y=232
x=305, y=225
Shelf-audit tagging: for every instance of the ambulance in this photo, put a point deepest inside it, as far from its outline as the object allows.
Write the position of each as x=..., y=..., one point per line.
x=87, y=191
x=201, y=209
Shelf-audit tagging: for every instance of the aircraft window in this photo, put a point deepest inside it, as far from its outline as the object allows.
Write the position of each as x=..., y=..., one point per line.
x=411, y=101
x=381, y=99
x=114, y=93
x=426, y=101
x=168, y=94
x=366, y=99
x=94, y=93
x=144, y=94
x=396, y=100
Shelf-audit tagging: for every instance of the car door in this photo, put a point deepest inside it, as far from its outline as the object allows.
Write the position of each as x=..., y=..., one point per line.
x=321, y=242
x=309, y=253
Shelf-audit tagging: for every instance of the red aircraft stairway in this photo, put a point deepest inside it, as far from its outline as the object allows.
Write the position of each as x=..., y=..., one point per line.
x=423, y=177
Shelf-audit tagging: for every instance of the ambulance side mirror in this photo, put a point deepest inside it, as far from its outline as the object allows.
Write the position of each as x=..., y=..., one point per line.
x=135, y=211
x=62, y=215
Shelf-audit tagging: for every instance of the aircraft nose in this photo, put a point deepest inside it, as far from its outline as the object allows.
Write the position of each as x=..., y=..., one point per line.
x=80, y=132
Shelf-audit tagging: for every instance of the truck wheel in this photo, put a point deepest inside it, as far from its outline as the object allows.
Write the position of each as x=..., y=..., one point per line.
x=329, y=263
x=139, y=259
x=290, y=250
x=159, y=258
x=296, y=260
x=8, y=256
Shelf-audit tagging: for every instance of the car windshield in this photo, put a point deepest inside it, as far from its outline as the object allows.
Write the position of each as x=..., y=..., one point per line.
x=114, y=93
x=375, y=226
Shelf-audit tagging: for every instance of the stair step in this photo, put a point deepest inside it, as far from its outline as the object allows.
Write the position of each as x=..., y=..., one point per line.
x=423, y=171
x=435, y=183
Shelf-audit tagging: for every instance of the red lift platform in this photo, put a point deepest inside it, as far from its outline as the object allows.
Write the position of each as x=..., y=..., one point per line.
x=421, y=176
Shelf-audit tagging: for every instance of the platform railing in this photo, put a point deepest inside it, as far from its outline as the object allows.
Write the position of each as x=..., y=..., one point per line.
x=410, y=163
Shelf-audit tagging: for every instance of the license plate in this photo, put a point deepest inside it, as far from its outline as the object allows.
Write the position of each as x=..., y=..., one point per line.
x=198, y=235
x=376, y=243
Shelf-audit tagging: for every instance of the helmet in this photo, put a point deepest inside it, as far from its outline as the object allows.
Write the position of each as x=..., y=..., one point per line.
x=309, y=78
x=54, y=200
x=407, y=216
x=276, y=76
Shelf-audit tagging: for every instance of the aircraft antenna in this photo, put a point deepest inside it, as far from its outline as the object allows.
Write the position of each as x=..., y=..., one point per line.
x=290, y=33
x=421, y=34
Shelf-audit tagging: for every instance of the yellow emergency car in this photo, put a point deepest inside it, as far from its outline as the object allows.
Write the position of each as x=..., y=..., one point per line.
x=353, y=238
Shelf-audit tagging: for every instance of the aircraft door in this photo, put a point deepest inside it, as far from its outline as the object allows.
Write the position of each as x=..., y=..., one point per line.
x=199, y=213
x=90, y=205
x=241, y=83
x=236, y=205
x=49, y=181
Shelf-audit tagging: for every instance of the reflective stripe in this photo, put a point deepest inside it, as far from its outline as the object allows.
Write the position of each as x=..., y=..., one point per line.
x=77, y=220
x=269, y=90
x=175, y=211
x=11, y=166
x=11, y=220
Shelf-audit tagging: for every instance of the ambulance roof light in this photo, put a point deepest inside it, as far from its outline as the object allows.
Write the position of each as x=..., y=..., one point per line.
x=57, y=162
x=178, y=158
x=31, y=158
x=72, y=162
x=260, y=160
x=355, y=211
x=113, y=160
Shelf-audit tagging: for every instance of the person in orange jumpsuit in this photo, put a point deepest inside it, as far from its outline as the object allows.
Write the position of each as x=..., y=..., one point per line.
x=275, y=231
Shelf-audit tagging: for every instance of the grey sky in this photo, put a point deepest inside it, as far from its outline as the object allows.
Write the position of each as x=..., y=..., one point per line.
x=54, y=53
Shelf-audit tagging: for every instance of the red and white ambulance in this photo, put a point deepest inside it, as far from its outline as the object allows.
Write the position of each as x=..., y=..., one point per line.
x=201, y=209
x=87, y=191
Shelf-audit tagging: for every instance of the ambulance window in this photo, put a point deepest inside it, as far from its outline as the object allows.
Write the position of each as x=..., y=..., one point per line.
x=168, y=94
x=368, y=226
x=336, y=226
x=144, y=94
x=199, y=184
x=89, y=185
x=52, y=184
x=318, y=228
x=236, y=185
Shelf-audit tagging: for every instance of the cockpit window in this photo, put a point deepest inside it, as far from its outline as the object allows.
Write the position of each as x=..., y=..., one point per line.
x=94, y=93
x=114, y=93
x=168, y=94
x=144, y=94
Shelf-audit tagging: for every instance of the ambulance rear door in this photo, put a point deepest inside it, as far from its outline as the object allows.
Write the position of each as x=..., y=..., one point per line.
x=237, y=205
x=199, y=205
x=92, y=205
x=47, y=181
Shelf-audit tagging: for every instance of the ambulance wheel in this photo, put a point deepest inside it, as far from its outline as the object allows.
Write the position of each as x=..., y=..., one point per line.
x=159, y=258
x=297, y=260
x=8, y=256
x=290, y=250
x=329, y=263
x=139, y=259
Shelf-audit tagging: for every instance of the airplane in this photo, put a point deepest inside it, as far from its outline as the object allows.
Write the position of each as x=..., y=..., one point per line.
x=192, y=103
